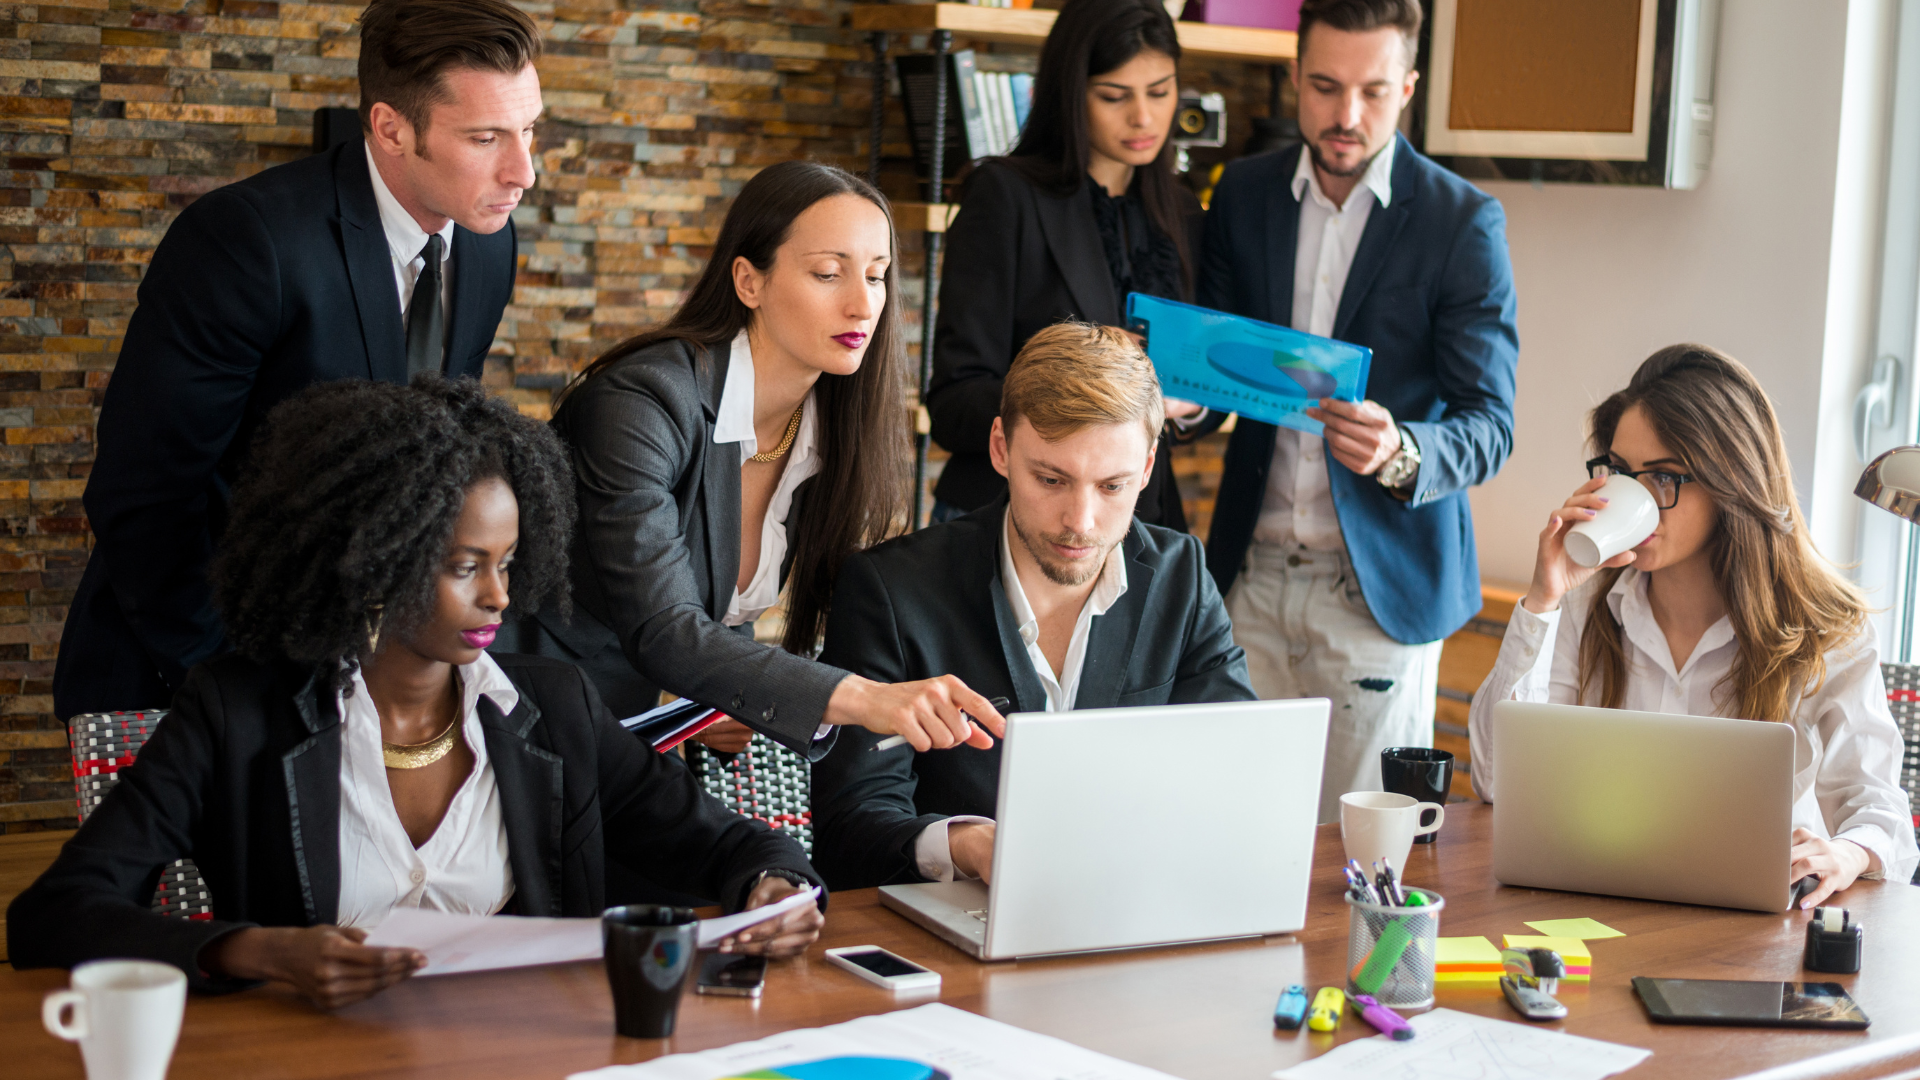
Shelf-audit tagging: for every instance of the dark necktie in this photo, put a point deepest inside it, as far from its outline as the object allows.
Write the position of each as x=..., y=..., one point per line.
x=426, y=322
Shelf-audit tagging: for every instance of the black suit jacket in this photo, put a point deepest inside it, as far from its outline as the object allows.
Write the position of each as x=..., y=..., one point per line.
x=657, y=552
x=243, y=776
x=932, y=603
x=1018, y=260
x=259, y=289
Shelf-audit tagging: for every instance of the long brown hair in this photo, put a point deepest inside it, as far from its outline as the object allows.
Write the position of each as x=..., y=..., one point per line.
x=859, y=496
x=1093, y=37
x=1788, y=605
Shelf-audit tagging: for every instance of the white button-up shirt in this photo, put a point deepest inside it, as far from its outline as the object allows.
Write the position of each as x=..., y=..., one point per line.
x=407, y=243
x=733, y=422
x=1847, y=749
x=463, y=866
x=1298, y=506
x=931, y=855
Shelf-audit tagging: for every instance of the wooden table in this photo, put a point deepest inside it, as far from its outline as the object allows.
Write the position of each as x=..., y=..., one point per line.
x=1194, y=1011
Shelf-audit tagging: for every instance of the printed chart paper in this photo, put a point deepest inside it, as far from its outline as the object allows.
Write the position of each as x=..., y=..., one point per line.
x=1260, y=370
x=932, y=1042
x=1449, y=1045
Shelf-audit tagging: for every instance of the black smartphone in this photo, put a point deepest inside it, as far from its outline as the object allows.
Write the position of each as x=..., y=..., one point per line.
x=1750, y=1004
x=732, y=976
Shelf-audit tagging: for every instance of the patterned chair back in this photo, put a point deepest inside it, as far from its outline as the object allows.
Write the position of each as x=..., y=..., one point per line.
x=105, y=743
x=1903, y=698
x=766, y=781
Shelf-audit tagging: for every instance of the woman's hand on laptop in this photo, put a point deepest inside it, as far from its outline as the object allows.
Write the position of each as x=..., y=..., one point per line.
x=1837, y=863
x=1554, y=573
x=931, y=714
x=970, y=846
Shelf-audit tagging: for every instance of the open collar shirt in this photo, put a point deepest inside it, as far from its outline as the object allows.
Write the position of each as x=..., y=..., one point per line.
x=733, y=422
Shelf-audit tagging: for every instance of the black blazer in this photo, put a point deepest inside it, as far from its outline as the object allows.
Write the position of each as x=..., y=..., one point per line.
x=259, y=290
x=658, y=551
x=1018, y=260
x=243, y=776
x=932, y=603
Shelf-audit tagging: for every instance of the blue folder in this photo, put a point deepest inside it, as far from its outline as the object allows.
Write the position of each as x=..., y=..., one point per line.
x=1240, y=365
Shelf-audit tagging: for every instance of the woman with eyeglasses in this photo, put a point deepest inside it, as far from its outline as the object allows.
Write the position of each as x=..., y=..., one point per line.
x=1726, y=610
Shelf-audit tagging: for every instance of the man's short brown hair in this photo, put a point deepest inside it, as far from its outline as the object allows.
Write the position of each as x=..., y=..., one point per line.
x=1359, y=16
x=1076, y=375
x=407, y=46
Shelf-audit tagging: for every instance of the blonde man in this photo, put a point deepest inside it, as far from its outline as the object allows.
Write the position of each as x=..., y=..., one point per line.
x=1053, y=597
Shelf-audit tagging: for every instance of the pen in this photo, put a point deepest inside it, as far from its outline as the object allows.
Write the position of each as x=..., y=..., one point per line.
x=999, y=705
x=1389, y=1022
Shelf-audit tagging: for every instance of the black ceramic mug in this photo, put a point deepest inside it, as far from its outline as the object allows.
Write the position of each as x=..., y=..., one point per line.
x=1419, y=772
x=649, y=950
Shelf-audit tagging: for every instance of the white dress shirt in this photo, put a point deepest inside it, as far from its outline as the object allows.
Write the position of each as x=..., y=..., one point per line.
x=1847, y=749
x=931, y=855
x=1298, y=506
x=407, y=243
x=733, y=422
x=463, y=866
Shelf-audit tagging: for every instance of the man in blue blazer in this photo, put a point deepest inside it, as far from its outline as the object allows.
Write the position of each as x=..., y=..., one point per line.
x=304, y=273
x=1346, y=560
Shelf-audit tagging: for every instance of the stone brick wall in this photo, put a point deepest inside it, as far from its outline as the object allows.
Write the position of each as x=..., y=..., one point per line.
x=114, y=115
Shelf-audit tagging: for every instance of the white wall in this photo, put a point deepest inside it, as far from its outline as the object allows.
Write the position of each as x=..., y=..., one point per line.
x=1751, y=263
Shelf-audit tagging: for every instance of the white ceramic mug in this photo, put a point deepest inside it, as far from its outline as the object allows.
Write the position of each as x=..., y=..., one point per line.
x=125, y=1014
x=1382, y=824
x=1630, y=516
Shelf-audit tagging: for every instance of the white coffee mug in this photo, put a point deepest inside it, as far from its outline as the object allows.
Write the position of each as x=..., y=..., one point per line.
x=1382, y=824
x=125, y=1014
x=1630, y=516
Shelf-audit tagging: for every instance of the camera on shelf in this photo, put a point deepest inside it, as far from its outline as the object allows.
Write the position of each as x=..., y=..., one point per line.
x=1201, y=120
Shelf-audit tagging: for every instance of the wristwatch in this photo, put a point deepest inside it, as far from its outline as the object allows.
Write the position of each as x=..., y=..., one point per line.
x=1404, y=466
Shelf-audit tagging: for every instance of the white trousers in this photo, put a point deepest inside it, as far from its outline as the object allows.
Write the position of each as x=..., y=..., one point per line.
x=1307, y=632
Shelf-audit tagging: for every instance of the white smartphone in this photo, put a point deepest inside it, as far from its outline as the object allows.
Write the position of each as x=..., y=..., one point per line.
x=882, y=968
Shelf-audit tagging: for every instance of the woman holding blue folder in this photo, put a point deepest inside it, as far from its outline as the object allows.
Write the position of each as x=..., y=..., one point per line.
x=1085, y=210
x=1726, y=610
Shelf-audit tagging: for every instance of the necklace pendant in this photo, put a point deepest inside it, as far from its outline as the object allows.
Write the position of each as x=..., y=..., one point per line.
x=420, y=755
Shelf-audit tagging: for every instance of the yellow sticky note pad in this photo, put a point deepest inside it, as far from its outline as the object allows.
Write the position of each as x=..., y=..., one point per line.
x=1465, y=950
x=1584, y=929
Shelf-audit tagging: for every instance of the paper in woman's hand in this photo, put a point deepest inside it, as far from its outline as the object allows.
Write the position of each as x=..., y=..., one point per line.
x=1234, y=364
x=712, y=930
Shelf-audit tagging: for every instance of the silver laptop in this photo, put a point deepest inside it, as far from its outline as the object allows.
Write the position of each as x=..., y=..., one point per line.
x=1120, y=828
x=1687, y=809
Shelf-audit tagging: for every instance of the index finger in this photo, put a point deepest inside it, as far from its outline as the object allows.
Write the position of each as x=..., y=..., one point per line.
x=980, y=709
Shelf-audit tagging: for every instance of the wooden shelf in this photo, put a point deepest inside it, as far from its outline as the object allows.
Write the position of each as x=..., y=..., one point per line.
x=923, y=217
x=1029, y=26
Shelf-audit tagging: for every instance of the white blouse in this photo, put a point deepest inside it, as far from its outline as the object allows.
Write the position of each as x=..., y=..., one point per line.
x=1847, y=750
x=733, y=422
x=463, y=866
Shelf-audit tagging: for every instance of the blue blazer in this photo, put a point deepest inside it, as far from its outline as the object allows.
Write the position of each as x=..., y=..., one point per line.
x=1431, y=293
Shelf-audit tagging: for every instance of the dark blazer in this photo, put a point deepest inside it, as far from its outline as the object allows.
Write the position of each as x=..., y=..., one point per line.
x=658, y=551
x=243, y=776
x=259, y=290
x=1018, y=260
x=931, y=603
x=1431, y=293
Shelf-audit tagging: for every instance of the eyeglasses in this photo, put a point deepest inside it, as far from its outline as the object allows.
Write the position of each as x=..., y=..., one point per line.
x=1664, y=485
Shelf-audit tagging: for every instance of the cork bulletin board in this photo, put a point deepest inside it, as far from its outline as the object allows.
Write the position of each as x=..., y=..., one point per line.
x=1523, y=78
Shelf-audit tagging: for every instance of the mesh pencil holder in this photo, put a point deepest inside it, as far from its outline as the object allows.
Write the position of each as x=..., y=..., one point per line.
x=1390, y=950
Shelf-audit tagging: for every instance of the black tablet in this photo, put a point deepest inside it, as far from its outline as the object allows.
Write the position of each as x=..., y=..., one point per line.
x=1750, y=1004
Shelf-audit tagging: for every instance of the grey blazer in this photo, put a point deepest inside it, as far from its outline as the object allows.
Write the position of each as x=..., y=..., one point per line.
x=658, y=551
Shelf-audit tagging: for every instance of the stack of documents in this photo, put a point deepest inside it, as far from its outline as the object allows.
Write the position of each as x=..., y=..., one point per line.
x=1576, y=954
x=1466, y=961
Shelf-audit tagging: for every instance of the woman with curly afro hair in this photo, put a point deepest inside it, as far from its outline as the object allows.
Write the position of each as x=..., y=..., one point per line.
x=362, y=751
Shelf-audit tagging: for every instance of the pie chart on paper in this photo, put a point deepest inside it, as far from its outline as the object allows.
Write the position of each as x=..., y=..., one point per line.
x=1271, y=370
x=847, y=1068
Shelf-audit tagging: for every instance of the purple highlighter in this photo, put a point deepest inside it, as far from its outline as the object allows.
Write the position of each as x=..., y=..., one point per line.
x=1389, y=1022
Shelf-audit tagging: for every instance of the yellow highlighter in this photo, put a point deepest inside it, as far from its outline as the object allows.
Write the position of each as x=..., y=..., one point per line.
x=1327, y=1006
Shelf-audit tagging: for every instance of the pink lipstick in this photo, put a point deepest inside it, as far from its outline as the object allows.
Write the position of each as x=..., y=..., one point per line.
x=851, y=340
x=480, y=638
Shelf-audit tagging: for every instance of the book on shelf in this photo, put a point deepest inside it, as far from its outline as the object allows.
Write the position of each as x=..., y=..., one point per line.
x=985, y=109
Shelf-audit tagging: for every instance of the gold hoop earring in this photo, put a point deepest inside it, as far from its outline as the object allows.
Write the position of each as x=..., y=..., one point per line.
x=376, y=615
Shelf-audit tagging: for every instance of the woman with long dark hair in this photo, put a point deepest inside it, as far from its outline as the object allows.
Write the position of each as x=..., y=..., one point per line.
x=1726, y=610
x=759, y=437
x=1085, y=210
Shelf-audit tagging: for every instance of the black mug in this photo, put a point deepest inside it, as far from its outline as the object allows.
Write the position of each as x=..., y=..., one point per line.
x=1419, y=772
x=649, y=950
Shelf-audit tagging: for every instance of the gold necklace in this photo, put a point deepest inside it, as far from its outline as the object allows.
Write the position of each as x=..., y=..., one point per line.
x=420, y=755
x=786, y=441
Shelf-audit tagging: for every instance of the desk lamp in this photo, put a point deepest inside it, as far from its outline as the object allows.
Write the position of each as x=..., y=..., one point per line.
x=1892, y=483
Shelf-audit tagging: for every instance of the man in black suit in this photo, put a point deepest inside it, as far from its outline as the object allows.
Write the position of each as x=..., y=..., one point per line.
x=1053, y=597
x=305, y=273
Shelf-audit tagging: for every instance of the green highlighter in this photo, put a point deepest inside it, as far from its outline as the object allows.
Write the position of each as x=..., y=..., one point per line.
x=1371, y=973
